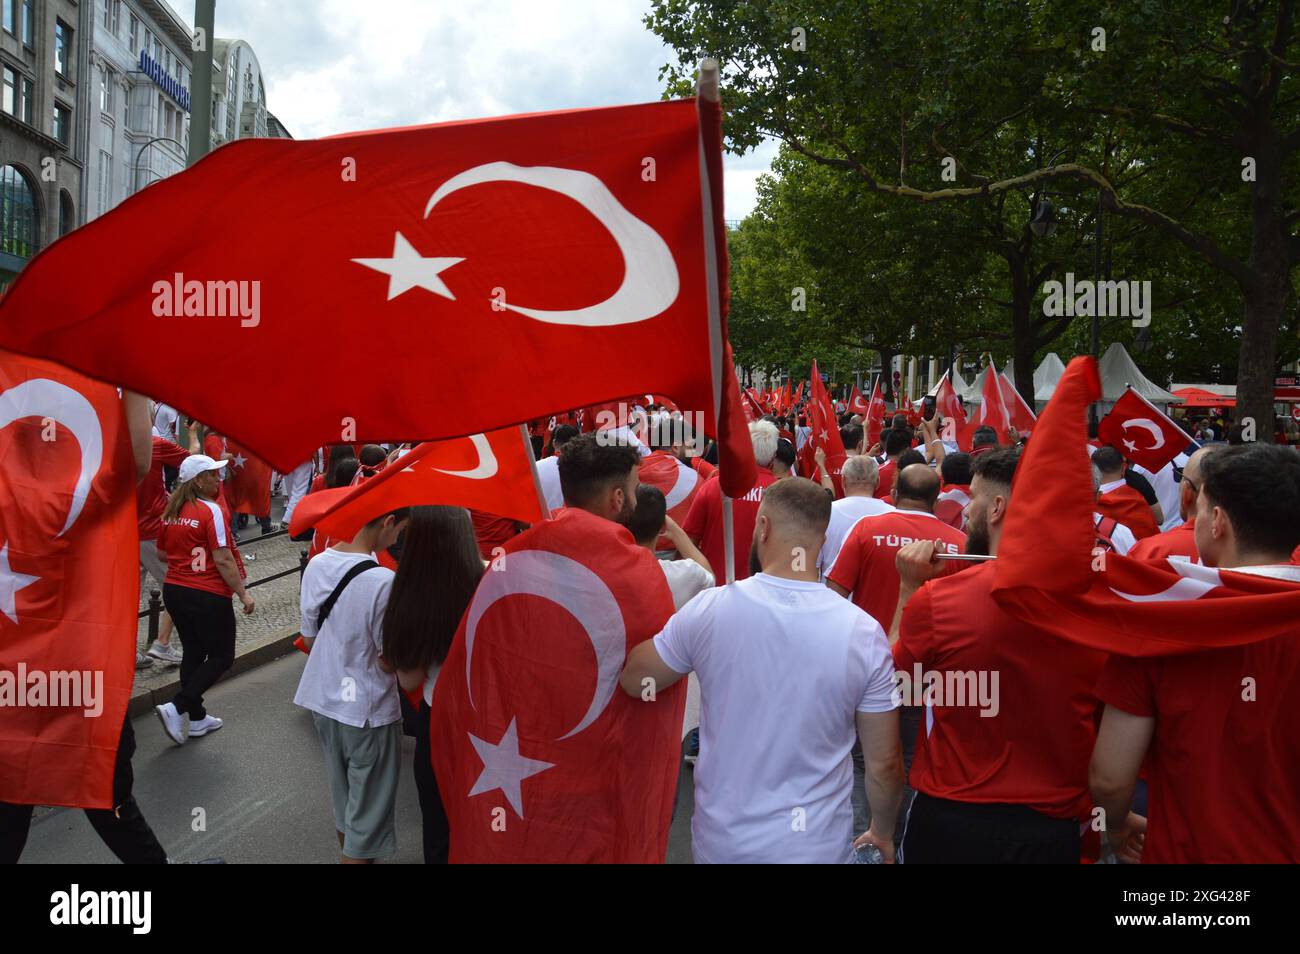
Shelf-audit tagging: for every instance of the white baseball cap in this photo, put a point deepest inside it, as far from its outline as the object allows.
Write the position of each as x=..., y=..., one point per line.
x=196, y=464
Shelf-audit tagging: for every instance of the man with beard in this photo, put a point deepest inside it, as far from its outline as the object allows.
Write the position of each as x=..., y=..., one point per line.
x=1001, y=768
x=600, y=478
x=787, y=670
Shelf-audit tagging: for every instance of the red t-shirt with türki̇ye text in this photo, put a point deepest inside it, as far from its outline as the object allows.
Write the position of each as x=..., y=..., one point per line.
x=188, y=541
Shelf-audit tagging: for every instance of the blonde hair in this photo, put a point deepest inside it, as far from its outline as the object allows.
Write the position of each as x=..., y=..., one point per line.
x=183, y=494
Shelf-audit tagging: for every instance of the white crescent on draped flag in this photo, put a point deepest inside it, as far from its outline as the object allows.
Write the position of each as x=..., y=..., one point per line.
x=43, y=398
x=1197, y=580
x=1149, y=425
x=487, y=461
x=687, y=477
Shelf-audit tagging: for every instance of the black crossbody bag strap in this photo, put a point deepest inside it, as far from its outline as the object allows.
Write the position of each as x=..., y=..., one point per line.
x=324, y=612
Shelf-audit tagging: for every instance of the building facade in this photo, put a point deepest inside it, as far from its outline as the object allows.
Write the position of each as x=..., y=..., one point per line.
x=238, y=94
x=44, y=49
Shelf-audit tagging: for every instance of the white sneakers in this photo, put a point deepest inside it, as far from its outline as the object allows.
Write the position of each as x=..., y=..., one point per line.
x=208, y=723
x=175, y=724
x=166, y=654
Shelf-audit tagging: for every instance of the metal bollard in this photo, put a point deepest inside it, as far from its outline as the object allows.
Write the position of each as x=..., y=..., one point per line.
x=302, y=564
x=155, y=610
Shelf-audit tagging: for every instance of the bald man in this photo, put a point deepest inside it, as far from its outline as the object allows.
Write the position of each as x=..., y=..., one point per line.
x=787, y=671
x=1181, y=540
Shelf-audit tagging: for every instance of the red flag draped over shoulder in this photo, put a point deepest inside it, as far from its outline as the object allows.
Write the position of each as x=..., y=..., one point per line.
x=539, y=755
x=1121, y=605
x=451, y=256
x=69, y=583
x=248, y=488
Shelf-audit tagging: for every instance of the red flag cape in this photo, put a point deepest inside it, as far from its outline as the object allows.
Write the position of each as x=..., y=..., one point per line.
x=1124, y=606
x=679, y=483
x=1141, y=432
x=490, y=472
x=248, y=488
x=825, y=432
x=69, y=583
x=539, y=755
x=441, y=258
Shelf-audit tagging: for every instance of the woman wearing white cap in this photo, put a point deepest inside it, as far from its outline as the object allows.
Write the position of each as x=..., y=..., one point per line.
x=203, y=570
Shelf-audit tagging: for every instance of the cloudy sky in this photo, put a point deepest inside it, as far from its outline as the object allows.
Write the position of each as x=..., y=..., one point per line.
x=333, y=66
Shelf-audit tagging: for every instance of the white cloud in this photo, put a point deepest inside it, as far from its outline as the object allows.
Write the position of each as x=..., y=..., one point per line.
x=338, y=66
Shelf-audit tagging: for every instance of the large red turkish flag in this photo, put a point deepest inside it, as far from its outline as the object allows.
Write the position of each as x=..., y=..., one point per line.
x=69, y=584
x=539, y=755
x=248, y=482
x=1141, y=432
x=492, y=473
x=1022, y=416
x=1110, y=602
x=825, y=434
x=410, y=268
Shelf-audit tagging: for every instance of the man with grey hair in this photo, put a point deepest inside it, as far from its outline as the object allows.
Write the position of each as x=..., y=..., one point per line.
x=703, y=524
x=860, y=477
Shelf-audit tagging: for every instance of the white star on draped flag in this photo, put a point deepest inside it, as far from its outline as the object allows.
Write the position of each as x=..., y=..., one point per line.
x=407, y=269
x=10, y=583
x=505, y=768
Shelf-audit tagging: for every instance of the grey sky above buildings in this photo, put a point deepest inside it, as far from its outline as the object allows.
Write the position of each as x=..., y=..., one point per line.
x=333, y=66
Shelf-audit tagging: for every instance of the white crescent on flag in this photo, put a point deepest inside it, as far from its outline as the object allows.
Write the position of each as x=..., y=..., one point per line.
x=1197, y=580
x=1151, y=427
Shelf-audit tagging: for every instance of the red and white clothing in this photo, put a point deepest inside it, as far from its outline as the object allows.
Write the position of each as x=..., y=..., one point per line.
x=704, y=524
x=1223, y=768
x=1025, y=740
x=201, y=527
x=151, y=494
x=865, y=565
x=1120, y=536
x=951, y=505
x=845, y=512
x=705, y=469
x=1180, y=541
x=885, y=488
x=1123, y=503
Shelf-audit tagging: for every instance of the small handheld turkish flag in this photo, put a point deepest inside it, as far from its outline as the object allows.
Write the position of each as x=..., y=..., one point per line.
x=69, y=584
x=825, y=434
x=993, y=411
x=875, y=422
x=539, y=757
x=857, y=403
x=1142, y=433
x=948, y=406
x=491, y=472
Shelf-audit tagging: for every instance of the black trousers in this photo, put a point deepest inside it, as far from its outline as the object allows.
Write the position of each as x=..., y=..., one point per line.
x=941, y=831
x=124, y=830
x=437, y=839
x=206, y=624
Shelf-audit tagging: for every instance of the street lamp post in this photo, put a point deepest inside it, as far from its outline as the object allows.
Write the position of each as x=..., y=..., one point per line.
x=135, y=166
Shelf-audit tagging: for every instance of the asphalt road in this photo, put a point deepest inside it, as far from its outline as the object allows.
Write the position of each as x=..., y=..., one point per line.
x=257, y=785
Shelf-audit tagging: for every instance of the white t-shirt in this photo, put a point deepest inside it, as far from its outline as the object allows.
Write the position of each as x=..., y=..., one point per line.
x=1122, y=537
x=845, y=512
x=548, y=475
x=686, y=578
x=784, y=665
x=165, y=419
x=1165, y=485
x=342, y=678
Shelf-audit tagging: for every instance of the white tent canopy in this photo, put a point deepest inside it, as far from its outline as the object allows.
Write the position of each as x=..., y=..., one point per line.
x=1117, y=370
x=1049, y=371
x=958, y=385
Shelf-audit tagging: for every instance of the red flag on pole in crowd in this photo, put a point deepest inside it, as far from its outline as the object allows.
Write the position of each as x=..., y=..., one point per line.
x=825, y=433
x=798, y=394
x=857, y=403
x=492, y=473
x=1022, y=416
x=947, y=405
x=1141, y=432
x=1126, y=606
x=753, y=407
x=444, y=258
x=875, y=421
x=248, y=482
x=539, y=756
x=69, y=584
x=993, y=412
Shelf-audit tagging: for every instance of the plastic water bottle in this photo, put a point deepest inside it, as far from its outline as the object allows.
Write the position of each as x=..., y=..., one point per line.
x=867, y=855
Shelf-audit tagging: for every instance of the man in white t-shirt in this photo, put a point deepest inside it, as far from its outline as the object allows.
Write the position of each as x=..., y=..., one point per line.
x=351, y=692
x=548, y=468
x=787, y=670
x=860, y=477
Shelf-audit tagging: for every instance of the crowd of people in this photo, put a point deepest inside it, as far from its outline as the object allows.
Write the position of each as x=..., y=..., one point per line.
x=808, y=736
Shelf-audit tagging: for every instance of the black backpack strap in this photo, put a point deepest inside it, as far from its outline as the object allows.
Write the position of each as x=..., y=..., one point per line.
x=324, y=612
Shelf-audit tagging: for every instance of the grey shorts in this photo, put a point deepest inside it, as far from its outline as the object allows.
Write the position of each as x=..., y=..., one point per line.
x=363, y=766
x=151, y=562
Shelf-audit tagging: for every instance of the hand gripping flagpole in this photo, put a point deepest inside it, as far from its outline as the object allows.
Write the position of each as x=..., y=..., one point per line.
x=707, y=88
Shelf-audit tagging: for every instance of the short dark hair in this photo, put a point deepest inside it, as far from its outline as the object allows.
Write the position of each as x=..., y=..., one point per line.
x=1108, y=460
x=563, y=434
x=647, y=521
x=784, y=452
x=956, y=468
x=997, y=466
x=984, y=436
x=909, y=457
x=897, y=441
x=588, y=466
x=898, y=422
x=1236, y=435
x=398, y=515
x=1258, y=486
x=372, y=455
x=851, y=435
x=341, y=471
x=801, y=499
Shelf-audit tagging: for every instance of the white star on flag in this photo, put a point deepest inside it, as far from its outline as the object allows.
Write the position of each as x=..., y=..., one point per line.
x=407, y=269
x=1130, y=446
x=239, y=460
x=505, y=768
x=10, y=583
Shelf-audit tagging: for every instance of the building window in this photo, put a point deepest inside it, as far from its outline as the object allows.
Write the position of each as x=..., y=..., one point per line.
x=62, y=123
x=67, y=217
x=19, y=214
x=105, y=181
x=29, y=20
x=105, y=90
x=62, y=48
x=26, y=99
x=10, y=99
x=134, y=38
x=148, y=42
x=8, y=17
x=117, y=16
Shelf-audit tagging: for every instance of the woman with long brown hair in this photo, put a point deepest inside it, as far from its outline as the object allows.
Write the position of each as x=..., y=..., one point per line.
x=203, y=571
x=439, y=570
